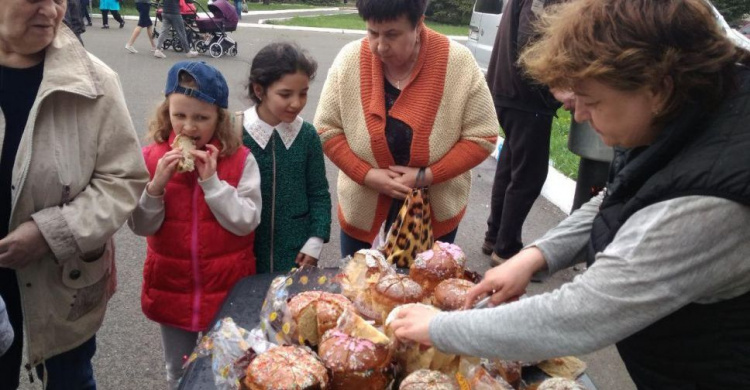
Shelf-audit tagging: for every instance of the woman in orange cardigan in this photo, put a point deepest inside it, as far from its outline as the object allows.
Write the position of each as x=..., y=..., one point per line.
x=403, y=98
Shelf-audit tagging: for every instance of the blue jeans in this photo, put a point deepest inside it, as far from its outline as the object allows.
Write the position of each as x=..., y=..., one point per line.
x=72, y=369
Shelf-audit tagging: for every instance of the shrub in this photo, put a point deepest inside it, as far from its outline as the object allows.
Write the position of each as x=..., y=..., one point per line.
x=456, y=12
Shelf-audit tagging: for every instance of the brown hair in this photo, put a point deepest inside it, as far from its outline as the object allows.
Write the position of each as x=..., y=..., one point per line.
x=160, y=126
x=632, y=44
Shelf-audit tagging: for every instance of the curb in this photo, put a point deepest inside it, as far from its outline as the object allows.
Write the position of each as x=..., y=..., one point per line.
x=558, y=189
x=261, y=24
x=288, y=11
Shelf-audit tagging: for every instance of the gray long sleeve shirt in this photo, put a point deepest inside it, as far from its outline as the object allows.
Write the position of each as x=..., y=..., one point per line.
x=691, y=249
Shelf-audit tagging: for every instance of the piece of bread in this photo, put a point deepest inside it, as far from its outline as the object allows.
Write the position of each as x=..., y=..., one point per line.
x=360, y=275
x=357, y=354
x=450, y=294
x=314, y=313
x=569, y=367
x=286, y=368
x=412, y=356
x=443, y=261
x=510, y=371
x=185, y=144
x=393, y=290
x=482, y=380
x=560, y=384
x=428, y=380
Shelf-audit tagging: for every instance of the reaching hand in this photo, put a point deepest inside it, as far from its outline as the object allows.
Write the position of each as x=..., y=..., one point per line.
x=165, y=169
x=408, y=176
x=305, y=260
x=507, y=281
x=22, y=246
x=205, y=161
x=413, y=323
x=384, y=181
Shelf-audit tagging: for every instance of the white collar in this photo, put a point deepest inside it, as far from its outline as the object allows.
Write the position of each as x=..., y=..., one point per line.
x=262, y=131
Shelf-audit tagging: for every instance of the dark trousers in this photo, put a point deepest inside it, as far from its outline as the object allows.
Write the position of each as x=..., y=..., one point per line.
x=115, y=14
x=85, y=12
x=521, y=171
x=68, y=370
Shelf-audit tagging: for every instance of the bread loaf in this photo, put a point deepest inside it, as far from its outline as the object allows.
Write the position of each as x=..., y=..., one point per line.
x=428, y=380
x=450, y=294
x=355, y=362
x=443, y=261
x=286, y=368
x=393, y=290
x=314, y=313
x=185, y=144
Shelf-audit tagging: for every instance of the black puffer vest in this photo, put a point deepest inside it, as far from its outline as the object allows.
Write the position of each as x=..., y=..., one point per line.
x=699, y=346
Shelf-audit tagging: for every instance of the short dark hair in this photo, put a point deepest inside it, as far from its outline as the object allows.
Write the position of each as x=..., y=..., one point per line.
x=276, y=60
x=386, y=10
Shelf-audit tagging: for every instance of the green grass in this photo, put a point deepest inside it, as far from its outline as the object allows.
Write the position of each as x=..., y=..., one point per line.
x=562, y=158
x=128, y=8
x=354, y=22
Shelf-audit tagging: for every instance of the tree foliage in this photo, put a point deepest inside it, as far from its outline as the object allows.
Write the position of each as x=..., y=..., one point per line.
x=732, y=10
x=456, y=12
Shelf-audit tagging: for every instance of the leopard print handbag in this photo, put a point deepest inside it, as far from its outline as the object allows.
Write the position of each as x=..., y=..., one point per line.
x=411, y=232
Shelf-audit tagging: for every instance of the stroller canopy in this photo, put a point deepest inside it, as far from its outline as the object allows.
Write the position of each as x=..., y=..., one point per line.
x=224, y=17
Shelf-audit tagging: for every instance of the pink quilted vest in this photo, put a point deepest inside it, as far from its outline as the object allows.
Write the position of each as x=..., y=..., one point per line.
x=192, y=261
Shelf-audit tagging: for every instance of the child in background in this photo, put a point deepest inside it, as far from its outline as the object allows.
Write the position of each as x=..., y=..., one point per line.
x=199, y=225
x=296, y=218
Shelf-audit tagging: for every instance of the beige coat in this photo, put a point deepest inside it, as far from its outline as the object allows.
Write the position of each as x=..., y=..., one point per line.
x=78, y=173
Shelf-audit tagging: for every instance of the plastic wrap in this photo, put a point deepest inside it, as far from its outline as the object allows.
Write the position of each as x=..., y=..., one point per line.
x=275, y=319
x=227, y=343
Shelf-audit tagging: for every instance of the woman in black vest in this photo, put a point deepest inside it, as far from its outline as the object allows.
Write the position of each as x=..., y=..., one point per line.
x=668, y=241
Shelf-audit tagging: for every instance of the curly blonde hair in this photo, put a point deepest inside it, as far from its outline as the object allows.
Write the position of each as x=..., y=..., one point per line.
x=160, y=126
x=632, y=44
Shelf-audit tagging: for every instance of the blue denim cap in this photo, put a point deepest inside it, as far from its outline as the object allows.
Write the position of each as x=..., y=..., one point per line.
x=212, y=87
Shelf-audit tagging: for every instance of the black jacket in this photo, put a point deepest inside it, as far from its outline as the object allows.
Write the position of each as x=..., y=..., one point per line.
x=700, y=346
x=509, y=87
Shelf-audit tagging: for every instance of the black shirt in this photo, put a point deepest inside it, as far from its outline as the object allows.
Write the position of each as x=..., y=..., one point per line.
x=18, y=89
x=397, y=133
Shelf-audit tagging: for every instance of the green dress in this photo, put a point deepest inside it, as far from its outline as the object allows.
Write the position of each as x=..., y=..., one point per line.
x=296, y=201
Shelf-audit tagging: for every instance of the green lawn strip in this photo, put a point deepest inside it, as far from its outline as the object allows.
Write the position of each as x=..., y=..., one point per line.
x=562, y=158
x=354, y=22
x=128, y=8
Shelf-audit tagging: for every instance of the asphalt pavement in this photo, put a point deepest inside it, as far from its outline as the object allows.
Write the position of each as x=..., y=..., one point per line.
x=129, y=351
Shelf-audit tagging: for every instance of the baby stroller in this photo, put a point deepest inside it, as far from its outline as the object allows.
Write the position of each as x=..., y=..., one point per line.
x=187, y=11
x=214, y=29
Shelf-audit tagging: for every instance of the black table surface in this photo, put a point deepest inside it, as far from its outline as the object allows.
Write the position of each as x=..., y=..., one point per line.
x=243, y=304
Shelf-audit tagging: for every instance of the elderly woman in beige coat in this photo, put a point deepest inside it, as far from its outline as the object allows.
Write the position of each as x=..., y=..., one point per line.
x=71, y=172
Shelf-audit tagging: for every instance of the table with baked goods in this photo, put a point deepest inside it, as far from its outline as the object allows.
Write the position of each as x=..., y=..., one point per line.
x=244, y=304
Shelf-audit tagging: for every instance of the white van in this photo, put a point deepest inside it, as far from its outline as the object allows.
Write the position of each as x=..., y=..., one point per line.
x=483, y=28
x=486, y=19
